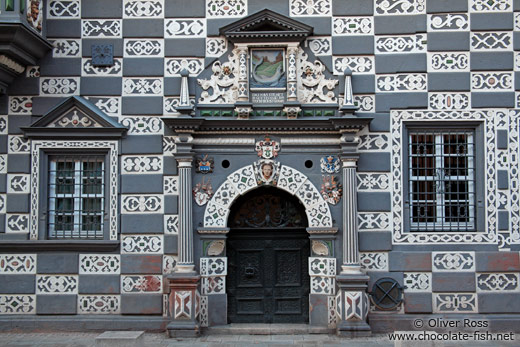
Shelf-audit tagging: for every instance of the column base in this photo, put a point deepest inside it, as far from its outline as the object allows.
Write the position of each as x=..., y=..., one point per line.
x=183, y=329
x=184, y=305
x=353, y=329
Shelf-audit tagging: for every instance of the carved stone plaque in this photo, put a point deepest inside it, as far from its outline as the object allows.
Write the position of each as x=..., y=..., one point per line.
x=268, y=98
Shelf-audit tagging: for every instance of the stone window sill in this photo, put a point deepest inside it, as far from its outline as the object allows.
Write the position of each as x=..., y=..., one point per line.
x=60, y=245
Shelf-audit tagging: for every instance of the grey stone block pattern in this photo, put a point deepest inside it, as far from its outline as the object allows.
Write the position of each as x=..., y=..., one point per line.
x=141, y=304
x=141, y=264
x=142, y=224
x=442, y=41
x=418, y=303
x=374, y=201
x=17, y=284
x=453, y=282
x=409, y=261
x=345, y=45
x=99, y=284
x=56, y=304
x=58, y=263
x=387, y=25
x=492, y=21
x=375, y=241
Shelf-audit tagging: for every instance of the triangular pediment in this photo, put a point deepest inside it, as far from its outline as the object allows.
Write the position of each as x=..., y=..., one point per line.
x=75, y=116
x=266, y=25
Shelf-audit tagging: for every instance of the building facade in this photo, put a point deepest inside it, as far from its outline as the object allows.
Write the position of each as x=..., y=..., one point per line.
x=179, y=165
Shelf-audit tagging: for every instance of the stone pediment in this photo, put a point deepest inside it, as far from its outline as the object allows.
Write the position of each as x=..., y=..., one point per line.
x=75, y=116
x=266, y=25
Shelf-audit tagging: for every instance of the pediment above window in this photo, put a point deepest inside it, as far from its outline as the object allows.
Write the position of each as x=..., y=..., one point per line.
x=266, y=25
x=75, y=117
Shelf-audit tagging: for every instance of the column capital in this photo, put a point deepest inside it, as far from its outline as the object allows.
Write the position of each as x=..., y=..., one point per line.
x=185, y=162
x=349, y=162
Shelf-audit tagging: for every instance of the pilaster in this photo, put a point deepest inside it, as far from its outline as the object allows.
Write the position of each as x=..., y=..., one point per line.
x=184, y=305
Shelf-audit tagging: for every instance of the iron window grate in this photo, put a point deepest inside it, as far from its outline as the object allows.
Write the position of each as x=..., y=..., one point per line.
x=442, y=181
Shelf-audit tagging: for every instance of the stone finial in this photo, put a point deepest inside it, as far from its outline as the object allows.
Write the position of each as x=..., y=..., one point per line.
x=185, y=106
x=348, y=97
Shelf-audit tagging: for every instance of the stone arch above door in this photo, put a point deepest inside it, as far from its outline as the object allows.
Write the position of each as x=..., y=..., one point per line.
x=289, y=179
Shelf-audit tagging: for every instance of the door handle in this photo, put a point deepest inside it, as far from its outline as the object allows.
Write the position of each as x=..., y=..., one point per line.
x=249, y=271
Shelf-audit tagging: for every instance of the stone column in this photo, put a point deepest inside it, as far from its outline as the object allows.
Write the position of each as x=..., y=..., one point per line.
x=350, y=263
x=292, y=106
x=185, y=262
x=243, y=107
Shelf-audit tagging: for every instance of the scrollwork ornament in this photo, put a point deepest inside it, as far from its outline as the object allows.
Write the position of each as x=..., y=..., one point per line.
x=313, y=87
x=223, y=83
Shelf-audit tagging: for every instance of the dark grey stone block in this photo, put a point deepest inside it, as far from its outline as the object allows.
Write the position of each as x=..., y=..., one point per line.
x=392, y=63
x=281, y=7
x=142, y=105
x=517, y=81
x=141, y=264
x=64, y=28
x=57, y=263
x=172, y=85
x=99, y=284
x=3, y=143
x=56, y=304
x=13, y=236
x=502, y=139
x=352, y=8
x=490, y=61
x=492, y=21
x=15, y=122
x=17, y=284
x=141, y=304
x=169, y=165
x=410, y=261
x=499, y=302
x=86, y=46
x=503, y=220
x=321, y=25
x=381, y=122
x=101, y=86
x=143, y=28
x=318, y=316
x=24, y=86
x=170, y=204
x=50, y=66
x=374, y=162
x=142, y=223
x=516, y=41
x=516, y=5
x=448, y=41
x=502, y=179
x=453, y=81
x=217, y=312
x=352, y=45
x=17, y=203
x=496, y=261
x=143, y=67
x=185, y=47
x=375, y=275
x=453, y=282
x=363, y=84
x=191, y=8
x=442, y=6
x=374, y=201
x=504, y=99
x=418, y=303
x=3, y=184
x=370, y=241
x=170, y=244
x=400, y=24
x=101, y=9
x=42, y=105
x=214, y=25
x=387, y=101
x=4, y=103
x=142, y=144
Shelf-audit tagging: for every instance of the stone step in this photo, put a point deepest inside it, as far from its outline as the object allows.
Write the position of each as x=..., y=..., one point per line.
x=120, y=338
x=266, y=329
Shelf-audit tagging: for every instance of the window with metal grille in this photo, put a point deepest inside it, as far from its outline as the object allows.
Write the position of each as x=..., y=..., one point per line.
x=442, y=181
x=76, y=197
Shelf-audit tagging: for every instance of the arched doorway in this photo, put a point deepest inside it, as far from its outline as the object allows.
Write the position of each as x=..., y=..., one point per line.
x=268, y=249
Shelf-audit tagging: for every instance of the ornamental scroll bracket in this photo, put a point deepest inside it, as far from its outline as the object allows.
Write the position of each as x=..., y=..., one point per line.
x=222, y=87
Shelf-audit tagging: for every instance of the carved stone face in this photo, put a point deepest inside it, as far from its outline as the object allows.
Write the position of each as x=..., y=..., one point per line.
x=267, y=171
x=35, y=9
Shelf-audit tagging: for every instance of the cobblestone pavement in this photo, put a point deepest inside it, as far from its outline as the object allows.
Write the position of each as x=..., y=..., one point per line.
x=60, y=339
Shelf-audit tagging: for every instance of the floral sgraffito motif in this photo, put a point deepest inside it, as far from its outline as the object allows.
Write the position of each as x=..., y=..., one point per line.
x=331, y=189
x=203, y=192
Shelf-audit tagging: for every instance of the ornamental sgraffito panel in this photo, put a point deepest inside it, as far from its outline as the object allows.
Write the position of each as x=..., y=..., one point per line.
x=56, y=284
x=448, y=22
x=455, y=303
x=373, y=181
x=216, y=46
x=449, y=101
x=141, y=244
x=17, y=304
x=171, y=224
x=492, y=81
x=397, y=44
x=174, y=66
x=17, y=144
x=16, y=223
x=366, y=103
x=213, y=285
x=169, y=146
x=170, y=104
x=450, y=61
x=88, y=69
x=3, y=125
x=3, y=163
x=517, y=21
x=416, y=82
x=3, y=202
x=490, y=6
x=491, y=41
x=352, y=26
x=417, y=282
x=20, y=105
x=99, y=304
x=497, y=282
x=101, y=28
x=323, y=285
x=514, y=178
x=142, y=125
x=310, y=8
x=18, y=183
x=374, y=221
x=64, y=86
x=358, y=64
x=18, y=264
x=63, y=9
x=66, y=48
x=213, y=266
x=32, y=71
x=399, y=7
x=374, y=142
x=134, y=48
x=185, y=28
x=111, y=105
x=322, y=266
x=142, y=86
x=226, y=8
x=171, y=185
x=320, y=45
x=290, y=179
x=204, y=313
x=169, y=264
x=90, y=264
x=143, y=8
x=132, y=164
x=372, y=261
x=139, y=284
x=142, y=203
x=451, y=261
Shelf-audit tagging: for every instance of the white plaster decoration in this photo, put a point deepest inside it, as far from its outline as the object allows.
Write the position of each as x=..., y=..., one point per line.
x=490, y=6
x=222, y=83
x=373, y=261
x=144, y=86
x=32, y=71
x=332, y=314
x=169, y=145
x=401, y=236
x=320, y=45
x=399, y=7
x=111, y=146
x=87, y=69
x=169, y=264
x=517, y=20
x=497, y=282
x=63, y=9
x=18, y=183
x=410, y=82
x=56, y=284
x=170, y=105
x=455, y=303
x=148, y=203
x=417, y=282
x=99, y=304
x=20, y=105
x=517, y=61
x=111, y=105
x=243, y=90
x=133, y=164
x=143, y=8
x=17, y=264
x=358, y=64
x=356, y=305
x=112, y=28
x=16, y=223
x=313, y=87
x=213, y=266
x=374, y=142
x=453, y=261
x=491, y=41
x=142, y=125
x=225, y=195
x=216, y=46
x=448, y=62
x=449, y=101
x=66, y=48
x=17, y=304
x=304, y=8
x=366, y=103
x=325, y=267
x=3, y=125
x=171, y=224
x=171, y=185
x=517, y=98
x=17, y=144
x=374, y=221
x=182, y=304
x=492, y=81
x=203, y=317
x=99, y=264
x=3, y=163
x=448, y=22
x=138, y=48
x=141, y=244
x=63, y=86
x=397, y=44
x=323, y=285
x=141, y=284
x=73, y=120
x=174, y=66
x=373, y=181
x=514, y=178
x=352, y=26
x=11, y=64
x=185, y=28
x=213, y=285
x=226, y=8
x=3, y=203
